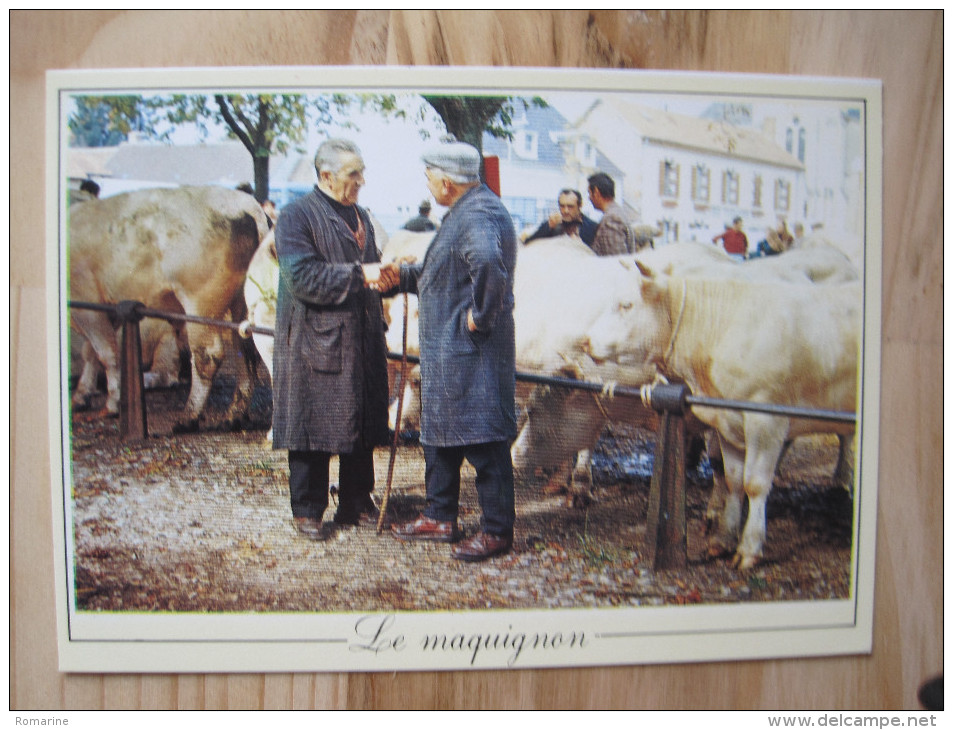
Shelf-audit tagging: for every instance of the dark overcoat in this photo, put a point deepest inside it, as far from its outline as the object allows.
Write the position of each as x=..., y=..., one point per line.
x=330, y=359
x=467, y=379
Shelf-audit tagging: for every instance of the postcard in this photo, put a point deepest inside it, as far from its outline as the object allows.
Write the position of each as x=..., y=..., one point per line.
x=386, y=369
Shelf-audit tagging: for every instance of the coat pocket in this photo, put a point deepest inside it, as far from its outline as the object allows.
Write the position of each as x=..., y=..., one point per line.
x=323, y=350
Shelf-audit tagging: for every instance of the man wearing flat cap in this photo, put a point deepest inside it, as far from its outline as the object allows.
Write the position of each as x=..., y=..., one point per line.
x=467, y=356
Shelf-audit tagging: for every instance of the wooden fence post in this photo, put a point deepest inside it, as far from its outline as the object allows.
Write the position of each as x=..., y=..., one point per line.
x=132, y=394
x=666, y=539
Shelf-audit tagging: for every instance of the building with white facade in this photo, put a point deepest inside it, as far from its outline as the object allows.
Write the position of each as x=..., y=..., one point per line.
x=829, y=140
x=691, y=176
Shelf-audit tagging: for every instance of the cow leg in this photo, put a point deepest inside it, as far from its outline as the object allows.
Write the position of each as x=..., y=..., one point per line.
x=88, y=379
x=723, y=535
x=764, y=442
x=208, y=352
x=719, y=489
x=247, y=374
x=410, y=408
x=266, y=348
x=101, y=338
x=246, y=378
x=164, y=372
x=844, y=472
x=580, y=480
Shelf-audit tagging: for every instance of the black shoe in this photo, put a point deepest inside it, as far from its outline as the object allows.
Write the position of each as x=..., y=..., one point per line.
x=312, y=529
x=366, y=514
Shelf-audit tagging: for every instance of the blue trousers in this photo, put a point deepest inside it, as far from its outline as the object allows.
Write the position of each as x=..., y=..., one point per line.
x=494, y=484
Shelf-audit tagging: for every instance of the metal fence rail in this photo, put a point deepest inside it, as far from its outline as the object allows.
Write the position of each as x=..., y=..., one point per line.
x=594, y=387
x=666, y=537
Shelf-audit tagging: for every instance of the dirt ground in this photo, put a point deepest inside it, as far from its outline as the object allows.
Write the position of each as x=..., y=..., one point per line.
x=201, y=522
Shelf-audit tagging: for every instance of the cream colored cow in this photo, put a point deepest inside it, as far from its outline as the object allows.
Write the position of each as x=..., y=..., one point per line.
x=180, y=249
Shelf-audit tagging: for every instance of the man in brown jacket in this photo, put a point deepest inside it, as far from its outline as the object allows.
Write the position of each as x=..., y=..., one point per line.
x=614, y=234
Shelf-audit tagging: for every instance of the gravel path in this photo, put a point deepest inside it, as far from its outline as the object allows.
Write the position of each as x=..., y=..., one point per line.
x=200, y=522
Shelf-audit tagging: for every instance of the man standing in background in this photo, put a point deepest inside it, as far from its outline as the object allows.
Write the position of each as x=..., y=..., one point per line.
x=614, y=234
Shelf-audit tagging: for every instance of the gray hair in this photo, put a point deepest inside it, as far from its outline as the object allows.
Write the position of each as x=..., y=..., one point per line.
x=330, y=153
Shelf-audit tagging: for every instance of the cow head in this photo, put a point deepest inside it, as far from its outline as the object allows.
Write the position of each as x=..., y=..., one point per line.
x=632, y=330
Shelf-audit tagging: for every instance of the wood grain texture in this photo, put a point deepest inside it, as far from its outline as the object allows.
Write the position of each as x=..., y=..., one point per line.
x=904, y=48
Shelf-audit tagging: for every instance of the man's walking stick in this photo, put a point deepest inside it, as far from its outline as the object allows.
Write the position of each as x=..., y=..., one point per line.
x=400, y=410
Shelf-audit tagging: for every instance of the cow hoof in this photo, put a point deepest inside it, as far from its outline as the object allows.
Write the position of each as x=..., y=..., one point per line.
x=744, y=562
x=718, y=549
x=580, y=501
x=232, y=425
x=189, y=426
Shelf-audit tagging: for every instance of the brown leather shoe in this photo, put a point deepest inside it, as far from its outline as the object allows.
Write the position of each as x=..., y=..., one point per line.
x=311, y=528
x=424, y=528
x=481, y=546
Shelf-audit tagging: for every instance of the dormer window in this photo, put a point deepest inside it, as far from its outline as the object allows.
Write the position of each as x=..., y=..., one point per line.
x=526, y=144
x=585, y=152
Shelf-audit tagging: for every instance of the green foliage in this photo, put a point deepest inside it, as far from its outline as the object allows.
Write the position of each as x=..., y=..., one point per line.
x=107, y=120
x=276, y=123
x=94, y=124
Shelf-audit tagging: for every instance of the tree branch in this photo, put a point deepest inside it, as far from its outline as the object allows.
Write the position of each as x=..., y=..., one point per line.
x=234, y=125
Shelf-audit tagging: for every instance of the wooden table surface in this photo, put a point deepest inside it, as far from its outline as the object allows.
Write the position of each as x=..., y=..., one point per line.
x=903, y=48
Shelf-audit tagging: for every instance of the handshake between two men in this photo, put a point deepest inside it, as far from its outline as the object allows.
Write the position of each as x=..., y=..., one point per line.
x=383, y=277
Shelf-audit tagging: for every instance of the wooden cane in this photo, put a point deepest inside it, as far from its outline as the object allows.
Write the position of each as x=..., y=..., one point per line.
x=400, y=410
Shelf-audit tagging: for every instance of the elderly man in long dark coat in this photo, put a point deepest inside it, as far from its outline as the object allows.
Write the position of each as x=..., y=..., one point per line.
x=467, y=356
x=330, y=380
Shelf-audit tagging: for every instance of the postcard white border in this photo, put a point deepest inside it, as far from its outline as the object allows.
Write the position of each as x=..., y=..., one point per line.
x=139, y=642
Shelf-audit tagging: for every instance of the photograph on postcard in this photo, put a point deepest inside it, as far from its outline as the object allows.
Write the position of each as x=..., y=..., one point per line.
x=382, y=369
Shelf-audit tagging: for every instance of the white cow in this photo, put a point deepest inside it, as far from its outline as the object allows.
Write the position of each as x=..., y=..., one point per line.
x=180, y=249
x=562, y=289
x=801, y=350
x=819, y=264
x=405, y=245
x=261, y=297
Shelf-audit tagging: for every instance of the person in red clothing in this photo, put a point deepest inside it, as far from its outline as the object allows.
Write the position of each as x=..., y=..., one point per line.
x=735, y=242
